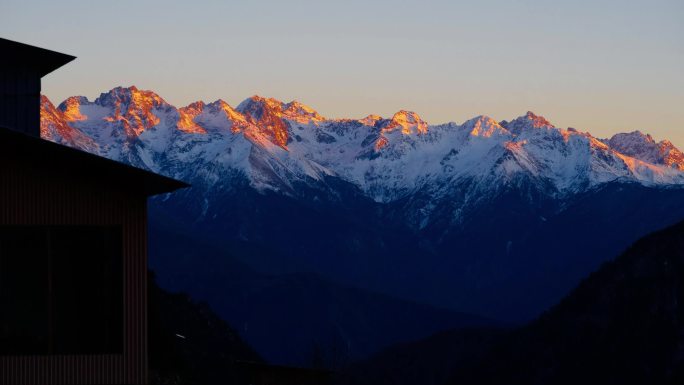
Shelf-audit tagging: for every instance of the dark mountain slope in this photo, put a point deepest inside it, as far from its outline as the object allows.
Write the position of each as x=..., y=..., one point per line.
x=293, y=318
x=189, y=344
x=427, y=362
x=525, y=262
x=624, y=324
x=514, y=254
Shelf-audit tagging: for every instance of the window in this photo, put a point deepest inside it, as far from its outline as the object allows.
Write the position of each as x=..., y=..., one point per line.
x=61, y=290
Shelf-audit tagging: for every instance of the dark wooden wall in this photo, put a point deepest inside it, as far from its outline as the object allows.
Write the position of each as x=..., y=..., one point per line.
x=20, y=100
x=31, y=195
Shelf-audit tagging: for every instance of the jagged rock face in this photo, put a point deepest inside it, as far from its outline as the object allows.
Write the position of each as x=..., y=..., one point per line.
x=54, y=125
x=643, y=147
x=187, y=116
x=132, y=108
x=267, y=115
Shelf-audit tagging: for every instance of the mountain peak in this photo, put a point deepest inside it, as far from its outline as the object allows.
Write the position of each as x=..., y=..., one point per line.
x=370, y=120
x=408, y=116
x=537, y=121
x=643, y=147
x=635, y=136
x=528, y=121
x=54, y=126
x=219, y=103
x=187, y=115
x=121, y=90
x=133, y=108
x=71, y=107
x=409, y=122
x=301, y=112
x=631, y=142
x=222, y=105
x=259, y=98
x=484, y=126
x=239, y=122
x=255, y=106
x=131, y=95
x=267, y=115
x=199, y=105
x=295, y=105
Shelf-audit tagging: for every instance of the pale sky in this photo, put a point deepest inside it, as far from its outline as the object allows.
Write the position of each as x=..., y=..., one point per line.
x=599, y=66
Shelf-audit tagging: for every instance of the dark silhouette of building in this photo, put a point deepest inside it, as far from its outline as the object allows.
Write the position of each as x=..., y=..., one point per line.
x=73, y=246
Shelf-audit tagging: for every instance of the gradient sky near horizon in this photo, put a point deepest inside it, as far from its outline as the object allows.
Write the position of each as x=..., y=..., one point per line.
x=601, y=66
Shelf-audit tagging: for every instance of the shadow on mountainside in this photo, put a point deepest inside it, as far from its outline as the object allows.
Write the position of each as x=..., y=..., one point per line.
x=624, y=324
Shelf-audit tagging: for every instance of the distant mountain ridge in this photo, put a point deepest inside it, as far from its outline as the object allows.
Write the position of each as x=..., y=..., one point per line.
x=276, y=143
x=462, y=216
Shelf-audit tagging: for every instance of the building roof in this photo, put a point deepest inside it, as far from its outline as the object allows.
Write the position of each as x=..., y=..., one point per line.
x=19, y=55
x=56, y=157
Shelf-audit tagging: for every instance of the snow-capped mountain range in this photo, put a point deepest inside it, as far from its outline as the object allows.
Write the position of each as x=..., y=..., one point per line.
x=498, y=218
x=273, y=144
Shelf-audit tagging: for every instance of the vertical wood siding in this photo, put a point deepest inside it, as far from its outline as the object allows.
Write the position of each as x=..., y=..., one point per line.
x=20, y=100
x=31, y=196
